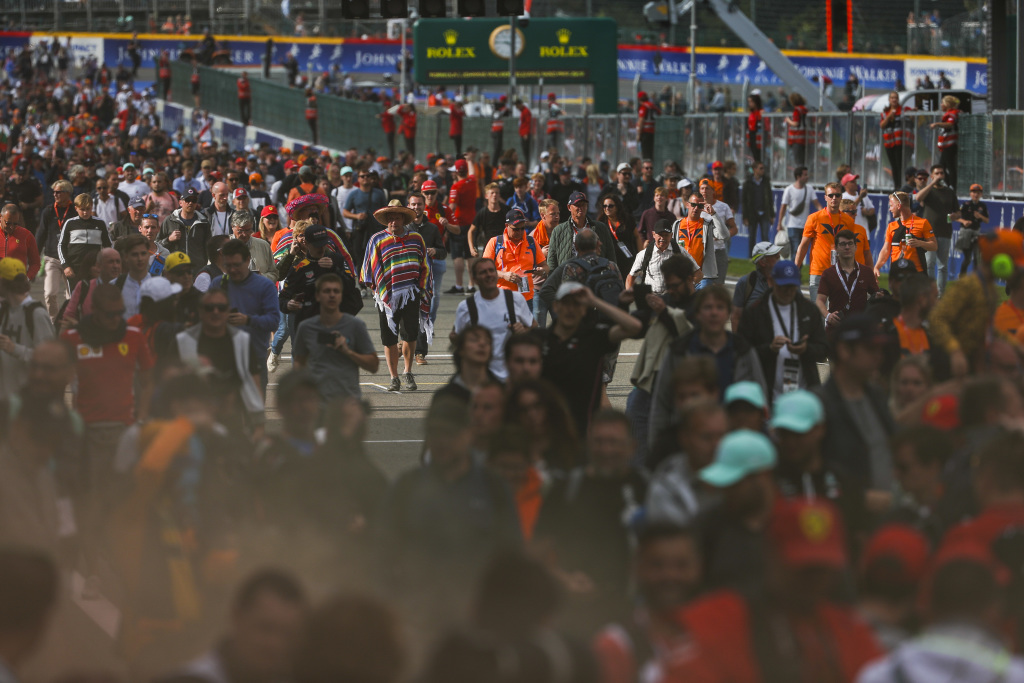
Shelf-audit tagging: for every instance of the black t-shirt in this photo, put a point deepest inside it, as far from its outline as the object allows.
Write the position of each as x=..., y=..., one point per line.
x=491, y=223
x=574, y=365
x=938, y=204
x=967, y=211
x=221, y=353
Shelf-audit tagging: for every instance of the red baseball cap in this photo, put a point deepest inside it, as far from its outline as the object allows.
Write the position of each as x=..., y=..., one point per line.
x=240, y=161
x=848, y=178
x=551, y=95
x=240, y=192
x=808, y=533
x=942, y=412
x=290, y=164
x=461, y=166
x=717, y=164
x=902, y=543
x=428, y=186
x=268, y=210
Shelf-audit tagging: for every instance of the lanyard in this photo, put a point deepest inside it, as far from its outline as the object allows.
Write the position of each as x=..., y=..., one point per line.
x=788, y=333
x=60, y=220
x=849, y=289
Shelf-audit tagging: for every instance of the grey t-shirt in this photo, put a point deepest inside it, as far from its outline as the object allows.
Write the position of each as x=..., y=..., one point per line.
x=337, y=375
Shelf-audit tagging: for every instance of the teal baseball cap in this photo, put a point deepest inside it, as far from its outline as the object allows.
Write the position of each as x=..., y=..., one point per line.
x=797, y=411
x=739, y=454
x=748, y=392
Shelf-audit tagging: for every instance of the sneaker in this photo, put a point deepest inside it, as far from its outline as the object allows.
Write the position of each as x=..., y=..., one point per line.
x=453, y=290
x=410, y=383
x=273, y=361
x=471, y=290
x=420, y=360
x=396, y=384
x=364, y=293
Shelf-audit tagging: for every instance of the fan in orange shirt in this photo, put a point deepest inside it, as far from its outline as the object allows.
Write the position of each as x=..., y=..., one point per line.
x=1009, y=318
x=863, y=255
x=820, y=232
x=914, y=234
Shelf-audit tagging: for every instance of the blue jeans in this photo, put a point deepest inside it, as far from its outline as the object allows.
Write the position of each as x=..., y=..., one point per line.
x=638, y=408
x=284, y=326
x=759, y=225
x=438, y=274
x=704, y=283
x=795, y=235
x=540, y=310
x=935, y=261
x=812, y=285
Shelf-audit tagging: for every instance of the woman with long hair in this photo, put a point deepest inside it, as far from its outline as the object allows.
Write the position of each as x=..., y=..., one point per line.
x=948, y=143
x=538, y=407
x=270, y=225
x=755, y=123
x=796, y=129
x=896, y=136
x=622, y=225
x=593, y=184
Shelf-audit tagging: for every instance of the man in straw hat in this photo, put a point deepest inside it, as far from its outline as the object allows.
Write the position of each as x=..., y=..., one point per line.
x=397, y=269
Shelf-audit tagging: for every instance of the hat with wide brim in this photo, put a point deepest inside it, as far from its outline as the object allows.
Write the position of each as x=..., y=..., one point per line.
x=384, y=215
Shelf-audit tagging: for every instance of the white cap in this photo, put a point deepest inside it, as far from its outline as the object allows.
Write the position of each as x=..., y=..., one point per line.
x=764, y=249
x=568, y=289
x=685, y=182
x=622, y=167
x=545, y=155
x=159, y=288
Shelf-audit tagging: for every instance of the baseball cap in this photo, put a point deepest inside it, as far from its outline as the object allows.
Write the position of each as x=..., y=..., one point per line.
x=127, y=166
x=317, y=235
x=345, y=170
x=942, y=412
x=739, y=454
x=921, y=173
x=848, y=178
x=786, y=273
x=240, y=192
x=765, y=249
x=255, y=178
x=177, y=259
x=428, y=186
x=641, y=95
x=748, y=392
x=515, y=217
x=896, y=555
x=663, y=225
x=685, y=182
x=717, y=164
x=808, y=533
x=289, y=165
x=137, y=203
x=568, y=289
x=977, y=188
x=190, y=195
x=577, y=198
x=461, y=166
x=268, y=210
x=565, y=170
x=158, y=288
x=11, y=268
x=551, y=95
x=859, y=327
x=797, y=411
x=623, y=167
x=148, y=170
x=252, y=157
x=545, y=154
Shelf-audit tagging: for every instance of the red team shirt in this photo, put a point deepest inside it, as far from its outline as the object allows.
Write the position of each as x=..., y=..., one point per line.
x=525, y=122
x=462, y=200
x=106, y=376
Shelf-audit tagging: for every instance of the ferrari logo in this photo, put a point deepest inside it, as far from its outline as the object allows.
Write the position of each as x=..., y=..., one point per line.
x=816, y=524
x=123, y=348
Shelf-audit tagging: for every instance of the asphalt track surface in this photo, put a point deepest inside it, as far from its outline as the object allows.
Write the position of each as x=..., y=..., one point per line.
x=396, y=428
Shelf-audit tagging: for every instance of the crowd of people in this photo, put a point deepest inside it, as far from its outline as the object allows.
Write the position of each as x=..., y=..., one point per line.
x=822, y=487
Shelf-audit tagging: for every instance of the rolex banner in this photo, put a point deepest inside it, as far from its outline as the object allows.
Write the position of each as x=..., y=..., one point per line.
x=559, y=51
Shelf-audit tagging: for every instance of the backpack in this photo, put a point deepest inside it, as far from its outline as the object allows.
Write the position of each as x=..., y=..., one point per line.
x=499, y=244
x=601, y=278
x=649, y=253
x=897, y=238
x=30, y=323
x=510, y=307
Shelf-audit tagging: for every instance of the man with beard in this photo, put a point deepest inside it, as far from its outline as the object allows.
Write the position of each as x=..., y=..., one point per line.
x=667, y=573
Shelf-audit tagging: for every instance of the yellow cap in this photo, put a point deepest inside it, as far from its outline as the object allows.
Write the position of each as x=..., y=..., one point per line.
x=176, y=259
x=11, y=268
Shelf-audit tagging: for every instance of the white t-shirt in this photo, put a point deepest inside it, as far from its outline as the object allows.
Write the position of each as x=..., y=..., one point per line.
x=859, y=218
x=219, y=222
x=723, y=210
x=788, y=326
x=134, y=189
x=493, y=314
x=106, y=211
x=791, y=196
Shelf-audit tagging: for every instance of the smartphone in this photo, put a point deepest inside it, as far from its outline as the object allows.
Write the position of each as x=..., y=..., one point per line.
x=326, y=338
x=640, y=293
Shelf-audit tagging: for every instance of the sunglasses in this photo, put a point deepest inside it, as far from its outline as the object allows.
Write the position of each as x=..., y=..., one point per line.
x=271, y=217
x=364, y=175
x=430, y=193
x=834, y=195
x=609, y=206
x=696, y=206
x=219, y=308
x=515, y=228
x=189, y=200
x=151, y=215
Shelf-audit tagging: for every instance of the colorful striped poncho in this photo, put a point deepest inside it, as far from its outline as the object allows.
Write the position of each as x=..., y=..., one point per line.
x=284, y=245
x=397, y=269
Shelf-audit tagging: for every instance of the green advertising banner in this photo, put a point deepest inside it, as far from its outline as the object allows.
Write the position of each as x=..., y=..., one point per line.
x=476, y=52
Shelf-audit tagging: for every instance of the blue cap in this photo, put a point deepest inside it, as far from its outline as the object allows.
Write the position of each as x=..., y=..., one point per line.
x=748, y=392
x=786, y=273
x=515, y=217
x=578, y=198
x=739, y=454
x=797, y=411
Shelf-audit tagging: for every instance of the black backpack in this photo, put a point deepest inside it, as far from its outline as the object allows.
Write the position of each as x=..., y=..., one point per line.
x=649, y=253
x=897, y=238
x=510, y=307
x=602, y=278
x=30, y=323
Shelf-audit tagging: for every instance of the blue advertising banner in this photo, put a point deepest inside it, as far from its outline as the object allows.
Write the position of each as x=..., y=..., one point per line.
x=9, y=42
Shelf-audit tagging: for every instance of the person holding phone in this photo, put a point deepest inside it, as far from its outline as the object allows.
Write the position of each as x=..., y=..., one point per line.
x=334, y=345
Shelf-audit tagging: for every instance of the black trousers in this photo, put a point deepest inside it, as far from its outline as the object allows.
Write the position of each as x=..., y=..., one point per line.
x=391, y=144
x=526, y=148
x=799, y=154
x=949, y=158
x=647, y=145
x=410, y=145
x=497, y=137
x=245, y=110
x=895, y=155
x=312, y=129
x=457, y=139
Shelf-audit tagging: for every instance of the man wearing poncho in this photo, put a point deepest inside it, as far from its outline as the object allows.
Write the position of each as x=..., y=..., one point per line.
x=397, y=270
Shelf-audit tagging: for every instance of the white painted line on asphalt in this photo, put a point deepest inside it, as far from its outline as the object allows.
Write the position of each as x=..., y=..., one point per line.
x=398, y=441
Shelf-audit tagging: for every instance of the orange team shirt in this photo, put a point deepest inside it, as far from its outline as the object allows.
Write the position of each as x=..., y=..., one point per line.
x=690, y=236
x=822, y=226
x=515, y=258
x=863, y=246
x=1009, y=319
x=912, y=342
x=919, y=228
x=540, y=235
